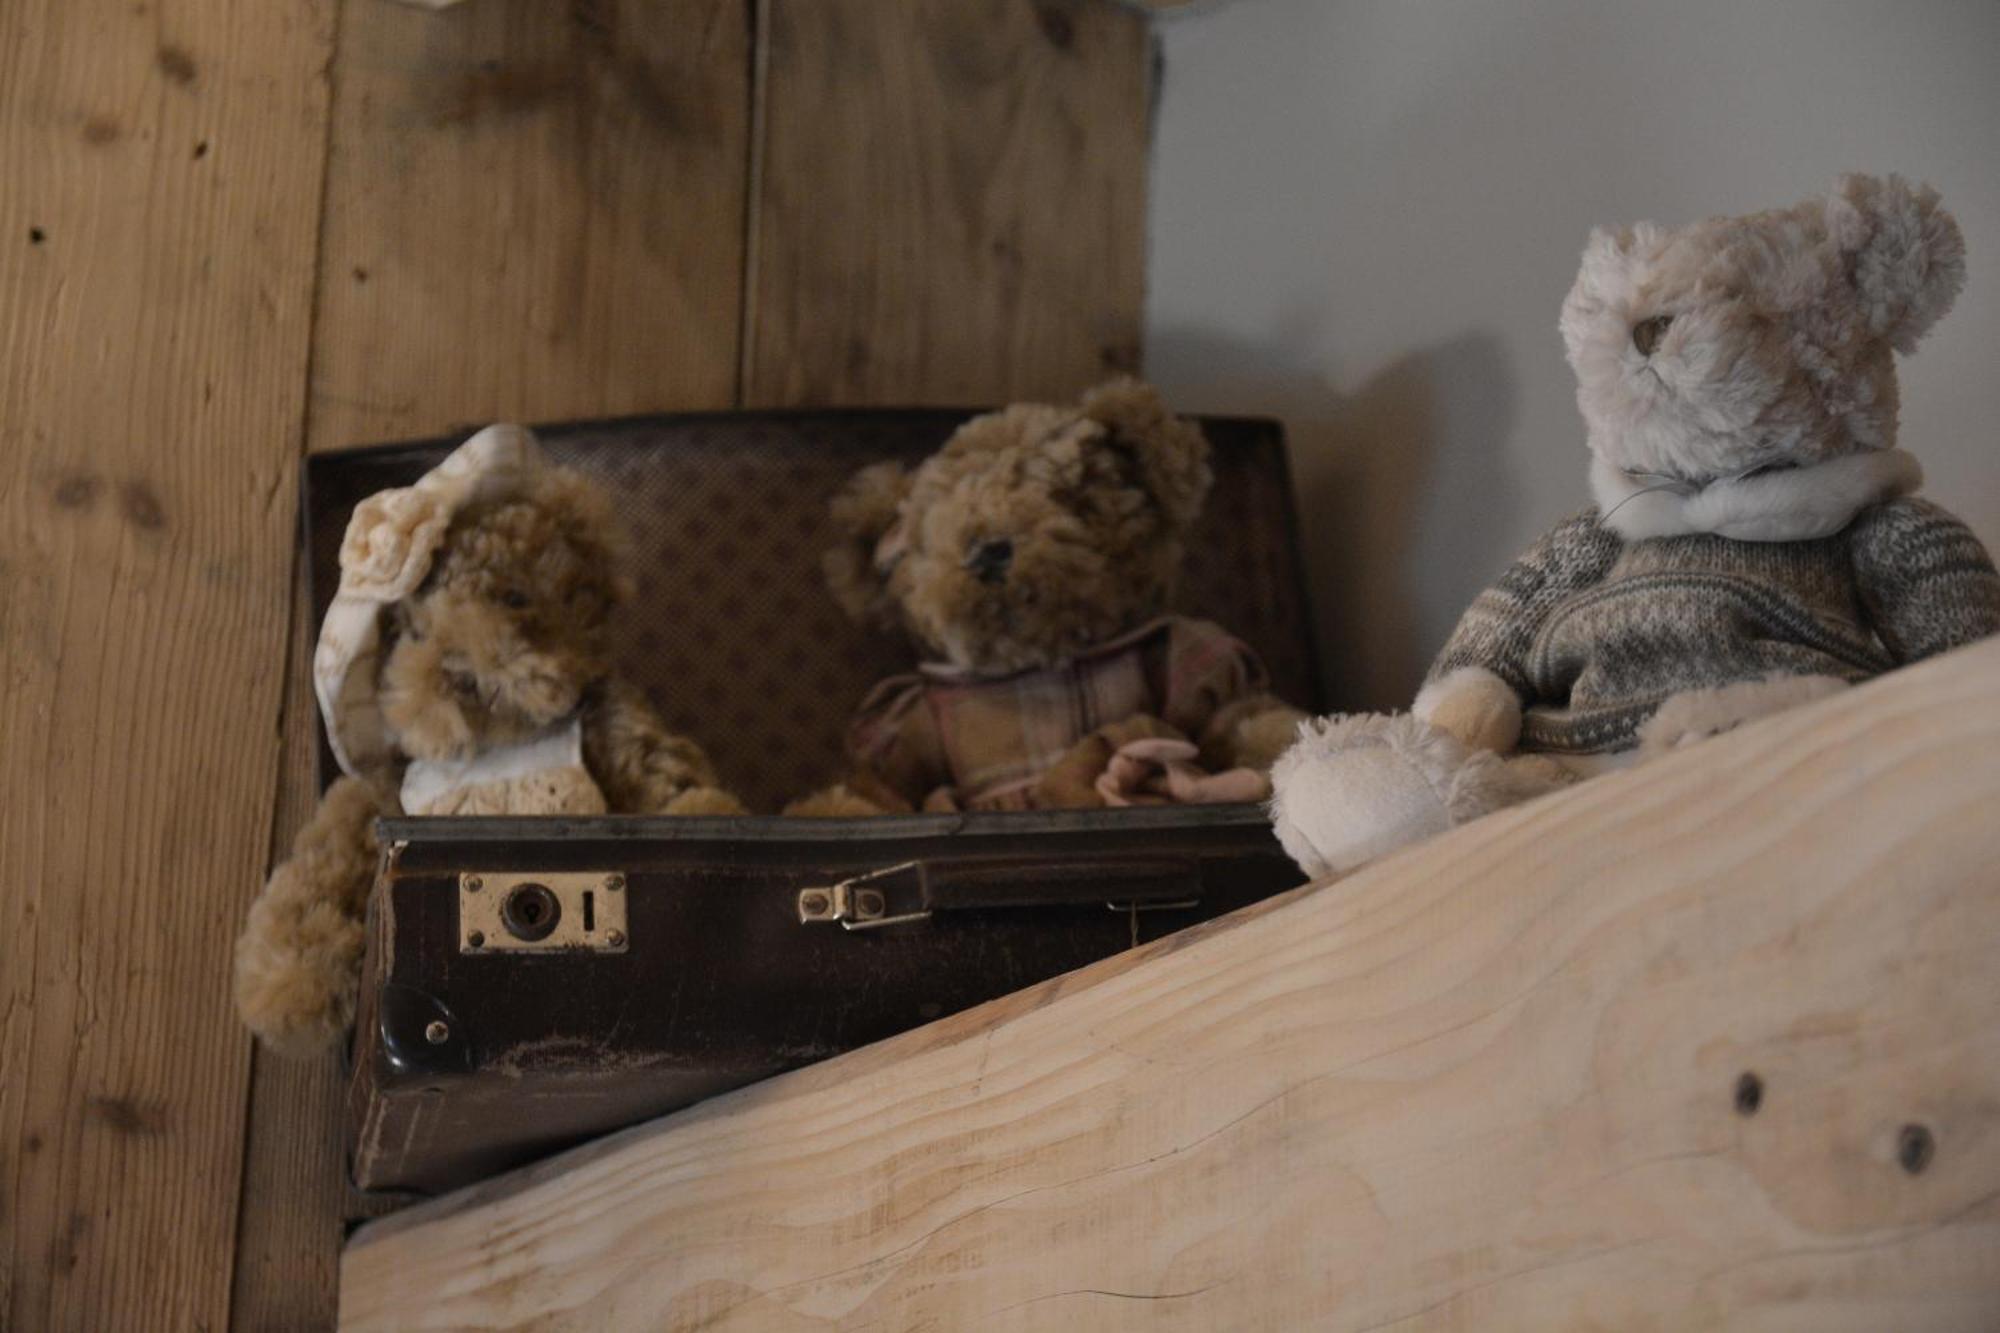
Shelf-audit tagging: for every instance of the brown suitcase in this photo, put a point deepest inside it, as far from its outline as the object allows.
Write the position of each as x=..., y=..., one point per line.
x=629, y=966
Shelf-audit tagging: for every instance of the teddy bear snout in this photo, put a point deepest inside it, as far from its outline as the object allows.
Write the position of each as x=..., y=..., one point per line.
x=988, y=559
x=1646, y=334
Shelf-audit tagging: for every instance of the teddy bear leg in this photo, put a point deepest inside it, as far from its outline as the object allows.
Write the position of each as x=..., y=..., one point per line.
x=1356, y=787
x=704, y=801
x=298, y=961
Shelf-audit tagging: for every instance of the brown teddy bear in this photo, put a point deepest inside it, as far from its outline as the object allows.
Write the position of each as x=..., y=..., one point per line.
x=461, y=669
x=1035, y=554
x=1756, y=543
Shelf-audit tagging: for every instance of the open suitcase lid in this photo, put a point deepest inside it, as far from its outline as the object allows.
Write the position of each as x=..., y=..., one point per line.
x=733, y=634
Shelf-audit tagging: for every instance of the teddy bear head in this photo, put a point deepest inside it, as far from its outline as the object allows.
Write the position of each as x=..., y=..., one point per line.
x=473, y=607
x=1034, y=533
x=1733, y=345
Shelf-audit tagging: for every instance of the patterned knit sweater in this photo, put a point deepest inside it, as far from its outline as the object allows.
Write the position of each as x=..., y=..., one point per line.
x=1593, y=632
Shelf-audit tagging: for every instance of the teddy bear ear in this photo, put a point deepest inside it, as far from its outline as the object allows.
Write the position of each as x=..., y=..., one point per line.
x=1171, y=451
x=583, y=508
x=1904, y=252
x=864, y=511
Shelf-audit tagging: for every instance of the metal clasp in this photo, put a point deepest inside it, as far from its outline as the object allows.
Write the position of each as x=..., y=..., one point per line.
x=858, y=902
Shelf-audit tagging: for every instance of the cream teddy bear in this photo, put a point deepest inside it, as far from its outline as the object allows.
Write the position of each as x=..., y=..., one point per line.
x=1756, y=541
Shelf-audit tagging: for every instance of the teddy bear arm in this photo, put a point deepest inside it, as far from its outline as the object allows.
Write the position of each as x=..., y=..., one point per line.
x=641, y=765
x=1482, y=679
x=299, y=956
x=1927, y=582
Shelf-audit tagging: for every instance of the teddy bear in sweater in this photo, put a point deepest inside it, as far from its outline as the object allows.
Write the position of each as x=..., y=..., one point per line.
x=1756, y=541
x=1034, y=556
x=462, y=669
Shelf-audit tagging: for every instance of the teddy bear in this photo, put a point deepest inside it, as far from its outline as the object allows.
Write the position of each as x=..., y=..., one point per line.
x=1034, y=556
x=461, y=669
x=1756, y=540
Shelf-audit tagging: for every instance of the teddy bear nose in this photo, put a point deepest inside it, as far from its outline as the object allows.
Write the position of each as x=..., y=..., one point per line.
x=1646, y=334
x=988, y=560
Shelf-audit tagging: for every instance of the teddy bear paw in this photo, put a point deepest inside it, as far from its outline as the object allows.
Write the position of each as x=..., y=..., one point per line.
x=1695, y=715
x=1356, y=786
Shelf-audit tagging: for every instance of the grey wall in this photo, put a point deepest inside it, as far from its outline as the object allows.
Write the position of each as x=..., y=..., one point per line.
x=1365, y=214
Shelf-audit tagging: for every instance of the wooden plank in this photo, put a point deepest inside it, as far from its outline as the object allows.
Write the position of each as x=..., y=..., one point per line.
x=533, y=211
x=157, y=240
x=950, y=200
x=1490, y=1083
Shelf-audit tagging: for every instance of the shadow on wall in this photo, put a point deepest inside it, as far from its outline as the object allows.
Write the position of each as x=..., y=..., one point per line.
x=1405, y=496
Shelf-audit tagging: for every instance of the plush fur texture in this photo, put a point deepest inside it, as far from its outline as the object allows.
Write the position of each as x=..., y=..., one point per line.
x=505, y=636
x=1394, y=779
x=1707, y=350
x=1785, y=505
x=300, y=951
x=1698, y=714
x=510, y=627
x=1035, y=534
x=1737, y=380
x=1474, y=705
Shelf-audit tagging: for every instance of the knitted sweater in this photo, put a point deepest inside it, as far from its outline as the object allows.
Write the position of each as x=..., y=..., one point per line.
x=1594, y=632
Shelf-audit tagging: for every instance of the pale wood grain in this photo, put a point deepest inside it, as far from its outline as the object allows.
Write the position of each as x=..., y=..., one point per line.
x=534, y=211
x=950, y=201
x=157, y=231
x=1485, y=1084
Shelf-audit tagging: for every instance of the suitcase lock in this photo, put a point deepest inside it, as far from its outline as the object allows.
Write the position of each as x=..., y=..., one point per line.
x=542, y=911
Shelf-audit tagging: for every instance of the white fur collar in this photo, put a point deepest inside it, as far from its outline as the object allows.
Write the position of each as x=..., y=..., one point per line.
x=1788, y=505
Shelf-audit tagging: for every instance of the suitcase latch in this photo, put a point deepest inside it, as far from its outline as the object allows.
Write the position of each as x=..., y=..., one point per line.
x=549, y=911
x=865, y=902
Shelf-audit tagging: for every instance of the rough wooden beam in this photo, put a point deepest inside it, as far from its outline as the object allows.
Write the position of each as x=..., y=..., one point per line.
x=950, y=200
x=533, y=211
x=1495, y=1082
x=157, y=231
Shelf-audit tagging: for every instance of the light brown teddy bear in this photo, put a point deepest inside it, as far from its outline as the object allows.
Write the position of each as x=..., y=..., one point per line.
x=1035, y=554
x=1756, y=542
x=461, y=670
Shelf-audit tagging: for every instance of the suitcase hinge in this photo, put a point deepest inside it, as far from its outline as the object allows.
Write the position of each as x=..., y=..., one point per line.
x=861, y=902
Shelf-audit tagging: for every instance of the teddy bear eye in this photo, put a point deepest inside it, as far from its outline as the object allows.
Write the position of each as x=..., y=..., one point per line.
x=1646, y=334
x=514, y=599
